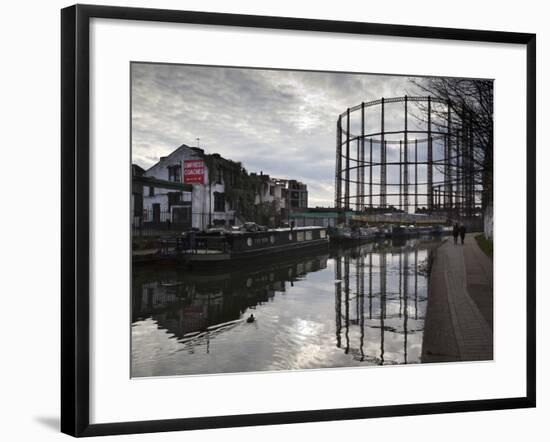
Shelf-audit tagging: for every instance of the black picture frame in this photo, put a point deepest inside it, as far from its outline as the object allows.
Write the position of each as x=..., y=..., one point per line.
x=75, y=212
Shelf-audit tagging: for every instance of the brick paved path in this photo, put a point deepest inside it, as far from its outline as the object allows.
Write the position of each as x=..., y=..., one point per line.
x=460, y=305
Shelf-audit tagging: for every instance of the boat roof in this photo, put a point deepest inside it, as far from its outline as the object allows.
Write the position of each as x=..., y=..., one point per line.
x=281, y=229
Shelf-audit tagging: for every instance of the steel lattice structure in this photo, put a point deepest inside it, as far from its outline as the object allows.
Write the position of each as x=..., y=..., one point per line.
x=433, y=167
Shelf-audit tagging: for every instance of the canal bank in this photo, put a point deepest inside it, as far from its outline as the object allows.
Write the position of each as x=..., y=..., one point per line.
x=459, y=317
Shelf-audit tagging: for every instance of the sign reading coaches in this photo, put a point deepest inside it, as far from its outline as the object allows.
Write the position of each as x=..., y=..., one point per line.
x=193, y=172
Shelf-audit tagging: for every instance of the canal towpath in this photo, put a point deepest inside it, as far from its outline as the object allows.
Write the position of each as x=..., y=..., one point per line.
x=459, y=318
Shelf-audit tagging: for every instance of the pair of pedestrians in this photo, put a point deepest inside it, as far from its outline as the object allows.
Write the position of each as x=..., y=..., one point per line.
x=459, y=230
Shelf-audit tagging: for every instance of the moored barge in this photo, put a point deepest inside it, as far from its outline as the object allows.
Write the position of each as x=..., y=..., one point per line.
x=230, y=246
x=353, y=234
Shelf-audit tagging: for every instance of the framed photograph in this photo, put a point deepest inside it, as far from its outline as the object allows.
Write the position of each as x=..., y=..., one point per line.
x=272, y=220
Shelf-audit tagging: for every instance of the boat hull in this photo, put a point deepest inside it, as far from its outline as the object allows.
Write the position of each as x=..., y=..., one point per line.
x=239, y=246
x=253, y=254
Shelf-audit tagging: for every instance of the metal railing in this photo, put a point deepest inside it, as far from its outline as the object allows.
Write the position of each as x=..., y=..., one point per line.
x=157, y=223
x=195, y=244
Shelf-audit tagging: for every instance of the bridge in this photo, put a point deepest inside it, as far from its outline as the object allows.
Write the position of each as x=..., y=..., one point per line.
x=400, y=218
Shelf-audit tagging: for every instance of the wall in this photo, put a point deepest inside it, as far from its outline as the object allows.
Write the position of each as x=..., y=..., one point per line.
x=29, y=374
x=488, y=222
x=202, y=196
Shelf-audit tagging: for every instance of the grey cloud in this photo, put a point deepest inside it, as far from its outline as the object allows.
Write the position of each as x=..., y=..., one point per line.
x=280, y=122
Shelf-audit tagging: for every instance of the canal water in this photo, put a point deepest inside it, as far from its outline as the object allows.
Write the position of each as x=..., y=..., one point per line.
x=342, y=307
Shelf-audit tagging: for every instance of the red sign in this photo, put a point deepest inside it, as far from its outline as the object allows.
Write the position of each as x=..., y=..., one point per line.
x=193, y=172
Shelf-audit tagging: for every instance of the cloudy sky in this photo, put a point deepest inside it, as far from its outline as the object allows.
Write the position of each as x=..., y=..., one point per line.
x=282, y=123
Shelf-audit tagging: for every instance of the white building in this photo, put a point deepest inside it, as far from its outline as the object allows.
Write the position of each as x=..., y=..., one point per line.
x=200, y=202
x=284, y=193
x=279, y=192
x=273, y=192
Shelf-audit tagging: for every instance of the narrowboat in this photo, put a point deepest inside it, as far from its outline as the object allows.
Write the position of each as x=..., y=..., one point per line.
x=425, y=230
x=438, y=230
x=236, y=245
x=400, y=231
x=349, y=234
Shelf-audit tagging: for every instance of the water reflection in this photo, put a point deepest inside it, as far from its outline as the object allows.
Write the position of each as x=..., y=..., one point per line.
x=357, y=306
x=381, y=297
x=184, y=302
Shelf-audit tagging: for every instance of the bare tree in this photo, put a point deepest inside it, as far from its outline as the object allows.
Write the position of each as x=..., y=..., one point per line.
x=471, y=104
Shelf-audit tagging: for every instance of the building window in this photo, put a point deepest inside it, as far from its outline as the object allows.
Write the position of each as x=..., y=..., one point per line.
x=138, y=204
x=219, y=202
x=174, y=198
x=219, y=175
x=174, y=173
x=272, y=190
x=151, y=191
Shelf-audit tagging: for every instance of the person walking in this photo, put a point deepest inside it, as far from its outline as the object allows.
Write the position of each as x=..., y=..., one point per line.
x=455, y=232
x=462, y=233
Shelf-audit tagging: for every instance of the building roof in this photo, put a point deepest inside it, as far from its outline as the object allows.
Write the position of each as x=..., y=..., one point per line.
x=137, y=170
x=198, y=150
x=162, y=184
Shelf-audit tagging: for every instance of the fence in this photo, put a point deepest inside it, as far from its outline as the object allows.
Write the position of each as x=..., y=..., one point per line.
x=154, y=222
x=306, y=221
x=194, y=244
